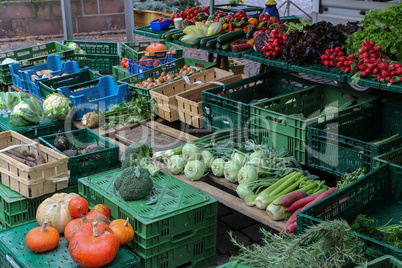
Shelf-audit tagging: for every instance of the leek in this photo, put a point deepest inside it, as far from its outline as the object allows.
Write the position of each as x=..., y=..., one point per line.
x=276, y=212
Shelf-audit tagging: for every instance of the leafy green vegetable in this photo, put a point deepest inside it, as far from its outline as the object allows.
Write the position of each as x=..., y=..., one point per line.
x=26, y=112
x=326, y=244
x=394, y=238
x=366, y=226
x=382, y=27
x=10, y=99
x=349, y=178
x=132, y=112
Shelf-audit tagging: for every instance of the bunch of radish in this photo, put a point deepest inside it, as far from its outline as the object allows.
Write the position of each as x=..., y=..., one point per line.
x=299, y=201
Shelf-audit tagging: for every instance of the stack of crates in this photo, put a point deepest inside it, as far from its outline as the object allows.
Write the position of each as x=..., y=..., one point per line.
x=178, y=230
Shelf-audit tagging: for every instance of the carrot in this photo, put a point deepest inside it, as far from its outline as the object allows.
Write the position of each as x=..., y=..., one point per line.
x=302, y=202
x=290, y=198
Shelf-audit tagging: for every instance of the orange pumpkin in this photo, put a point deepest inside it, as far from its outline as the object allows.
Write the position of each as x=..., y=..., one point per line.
x=123, y=230
x=78, y=206
x=75, y=224
x=55, y=208
x=94, y=245
x=154, y=47
x=102, y=209
x=42, y=239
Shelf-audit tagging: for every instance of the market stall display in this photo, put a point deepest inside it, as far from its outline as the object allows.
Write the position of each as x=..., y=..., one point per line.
x=292, y=154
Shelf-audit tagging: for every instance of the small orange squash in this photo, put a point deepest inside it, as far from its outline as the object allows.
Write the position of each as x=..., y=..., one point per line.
x=102, y=209
x=123, y=230
x=78, y=206
x=55, y=208
x=154, y=47
x=42, y=239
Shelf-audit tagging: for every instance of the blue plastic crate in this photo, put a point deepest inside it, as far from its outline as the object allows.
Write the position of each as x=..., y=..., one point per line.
x=137, y=67
x=53, y=62
x=159, y=26
x=68, y=67
x=102, y=97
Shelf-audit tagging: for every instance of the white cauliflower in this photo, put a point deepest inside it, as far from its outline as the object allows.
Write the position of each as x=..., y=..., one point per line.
x=57, y=107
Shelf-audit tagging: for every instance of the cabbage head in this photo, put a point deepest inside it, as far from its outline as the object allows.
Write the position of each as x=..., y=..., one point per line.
x=26, y=112
x=57, y=107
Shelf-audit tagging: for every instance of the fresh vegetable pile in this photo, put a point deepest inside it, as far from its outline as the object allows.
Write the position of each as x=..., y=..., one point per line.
x=327, y=244
x=390, y=234
x=268, y=179
x=191, y=15
x=93, y=239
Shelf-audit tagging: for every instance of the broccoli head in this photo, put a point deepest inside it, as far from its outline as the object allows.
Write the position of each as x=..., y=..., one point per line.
x=134, y=153
x=134, y=183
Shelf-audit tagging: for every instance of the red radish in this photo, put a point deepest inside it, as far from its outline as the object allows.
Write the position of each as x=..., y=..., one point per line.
x=302, y=202
x=292, y=228
x=292, y=197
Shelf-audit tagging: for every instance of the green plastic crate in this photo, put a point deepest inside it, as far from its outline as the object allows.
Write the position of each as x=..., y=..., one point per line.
x=368, y=82
x=135, y=50
x=14, y=252
x=377, y=194
x=170, y=67
x=33, y=131
x=386, y=261
x=50, y=86
x=393, y=157
x=119, y=73
x=147, y=31
x=273, y=122
x=391, y=87
x=100, y=56
x=320, y=70
x=193, y=255
x=234, y=264
x=16, y=209
x=82, y=165
x=30, y=56
x=180, y=213
x=232, y=110
x=261, y=58
x=345, y=144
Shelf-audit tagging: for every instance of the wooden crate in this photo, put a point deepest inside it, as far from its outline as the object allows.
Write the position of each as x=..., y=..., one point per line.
x=165, y=96
x=189, y=103
x=32, y=182
x=236, y=66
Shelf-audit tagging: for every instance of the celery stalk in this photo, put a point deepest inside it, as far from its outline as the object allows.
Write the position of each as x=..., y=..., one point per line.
x=265, y=197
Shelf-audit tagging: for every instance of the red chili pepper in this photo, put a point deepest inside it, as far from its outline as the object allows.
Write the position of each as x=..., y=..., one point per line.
x=230, y=26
